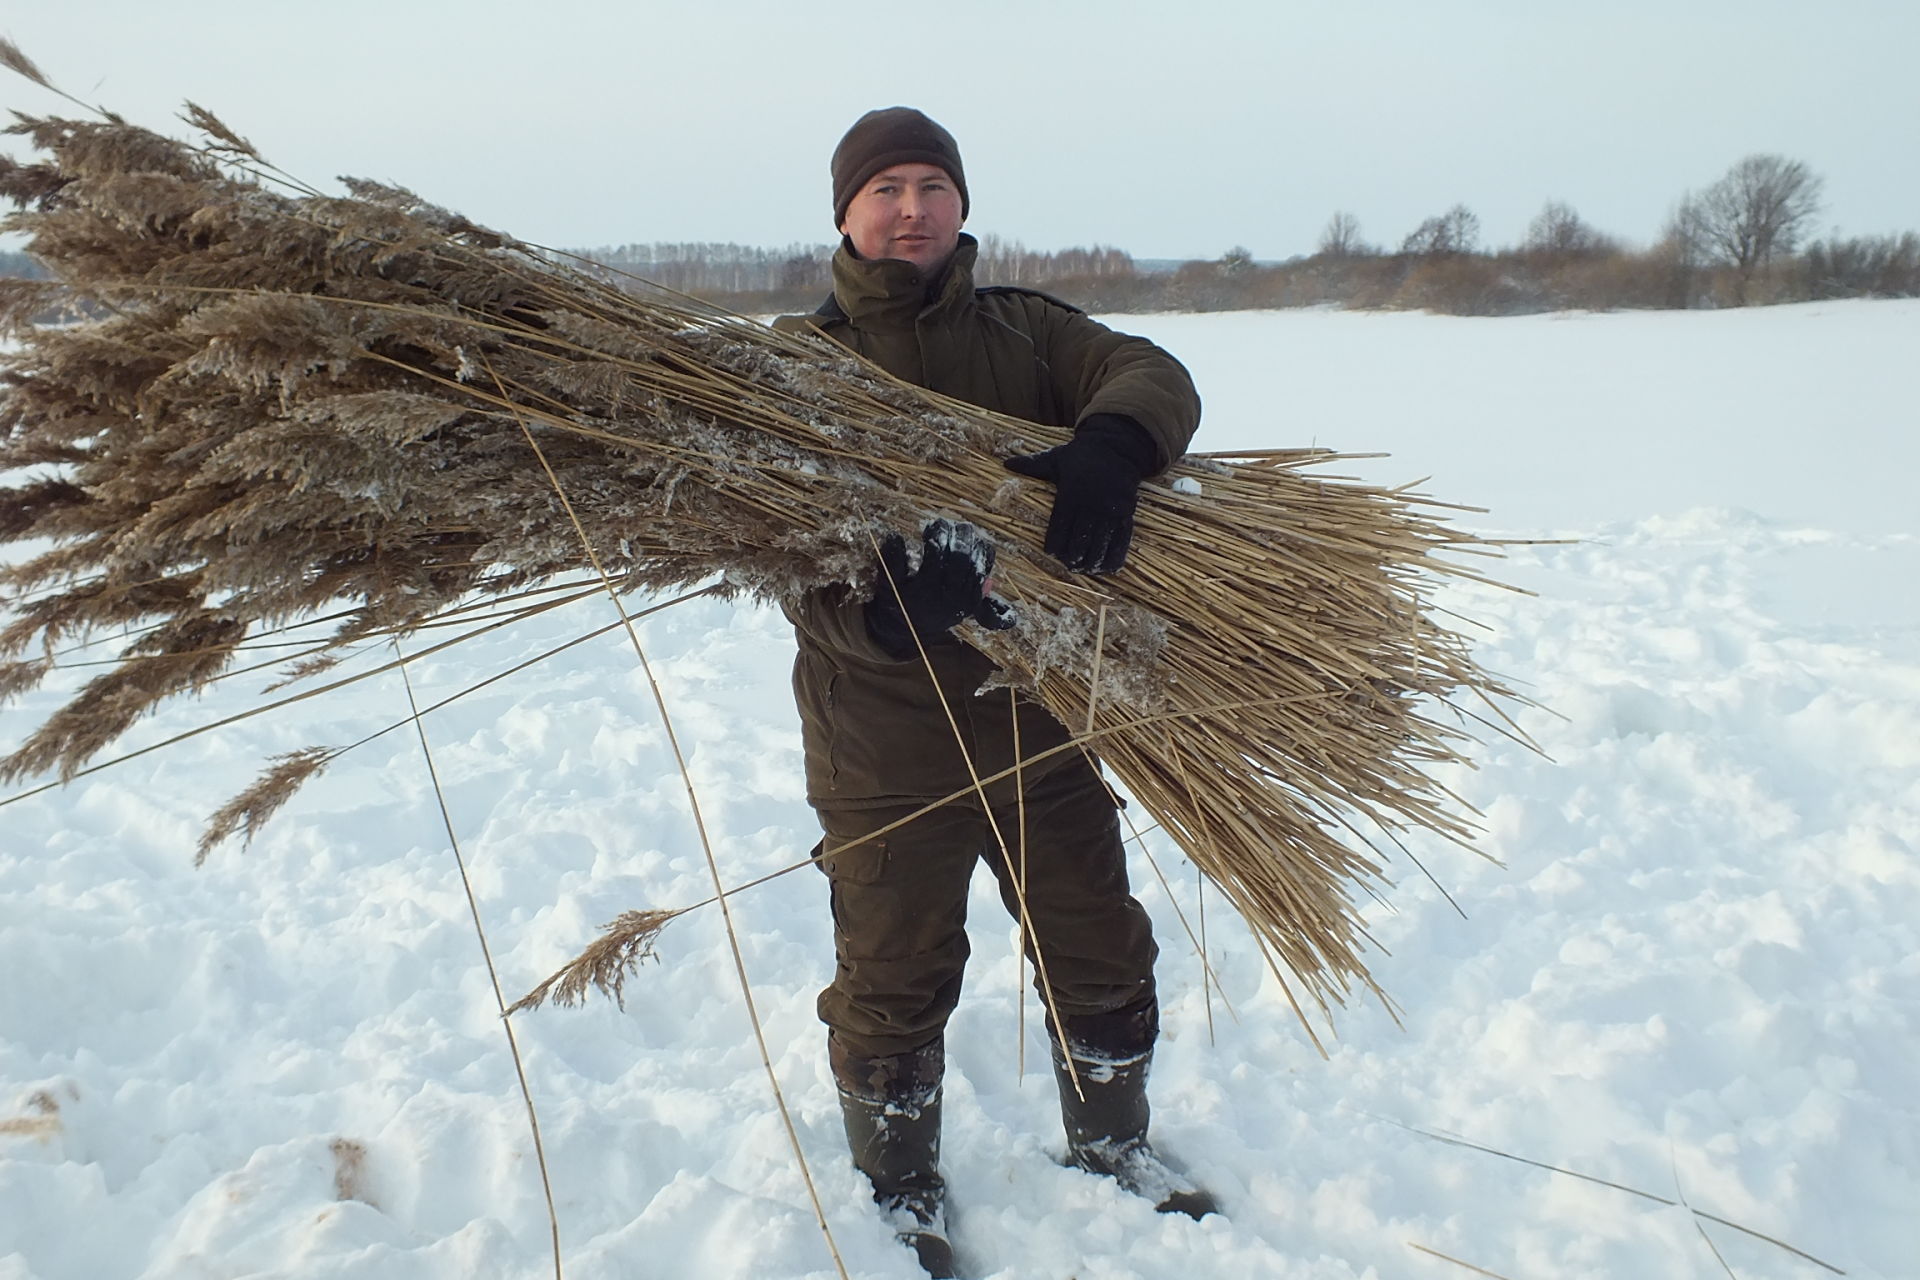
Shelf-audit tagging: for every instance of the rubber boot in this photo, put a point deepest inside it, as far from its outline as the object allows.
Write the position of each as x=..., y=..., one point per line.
x=891, y=1107
x=1106, y=1115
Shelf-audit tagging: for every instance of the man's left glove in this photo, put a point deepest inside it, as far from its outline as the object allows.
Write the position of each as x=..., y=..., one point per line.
x=1097, y=477
x=949, y=586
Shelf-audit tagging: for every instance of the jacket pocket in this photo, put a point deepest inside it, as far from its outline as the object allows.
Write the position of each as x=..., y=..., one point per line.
x=817, y=692
x=830, y=697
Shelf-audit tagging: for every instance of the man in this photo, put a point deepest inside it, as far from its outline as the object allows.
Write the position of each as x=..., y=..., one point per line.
x=880, y=745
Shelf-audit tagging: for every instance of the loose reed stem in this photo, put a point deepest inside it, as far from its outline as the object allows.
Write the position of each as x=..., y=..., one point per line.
x=706, y=847
x=1444, y=1257
x=1632, y=1191
x=486, y=954
x=1025, y=929
x=993, y=823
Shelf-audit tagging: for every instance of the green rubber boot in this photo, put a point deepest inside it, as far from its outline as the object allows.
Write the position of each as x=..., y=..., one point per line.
x=891, y=1107
x=1103, y=1106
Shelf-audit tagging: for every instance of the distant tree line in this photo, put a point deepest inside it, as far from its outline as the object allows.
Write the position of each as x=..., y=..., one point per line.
x=721, y=270
x=1741, y=240
x=800, y=276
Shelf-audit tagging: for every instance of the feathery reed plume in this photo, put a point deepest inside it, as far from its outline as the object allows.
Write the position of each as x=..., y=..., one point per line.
x=249, y=811
x=21, y=677
x=294, y=403
x=13, y=60
x=605, y=965
x=211, y=125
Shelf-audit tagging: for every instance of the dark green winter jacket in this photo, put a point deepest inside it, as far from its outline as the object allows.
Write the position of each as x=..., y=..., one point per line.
x=873, y=729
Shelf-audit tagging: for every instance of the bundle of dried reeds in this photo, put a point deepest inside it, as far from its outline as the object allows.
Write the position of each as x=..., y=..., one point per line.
x=283, y=403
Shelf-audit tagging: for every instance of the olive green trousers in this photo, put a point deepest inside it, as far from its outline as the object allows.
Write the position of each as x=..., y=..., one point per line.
x=900, y=908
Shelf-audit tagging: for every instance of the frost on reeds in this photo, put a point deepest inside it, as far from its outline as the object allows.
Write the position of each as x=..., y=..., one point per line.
x=278, y=404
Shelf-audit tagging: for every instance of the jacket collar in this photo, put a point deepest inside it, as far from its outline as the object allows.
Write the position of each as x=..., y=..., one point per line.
x=889, y=293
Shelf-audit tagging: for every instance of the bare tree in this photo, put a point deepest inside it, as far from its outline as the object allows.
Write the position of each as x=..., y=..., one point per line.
x=1455, y=231
x=1341, y=238
x=1759, y=208
x=1237, y=261
x=1866, y=266
x=803, y=271
x=1560, y=232
x=1680, y=256
x=1010, y=262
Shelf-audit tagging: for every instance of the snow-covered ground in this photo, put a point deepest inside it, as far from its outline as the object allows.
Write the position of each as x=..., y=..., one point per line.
x=1697, y=973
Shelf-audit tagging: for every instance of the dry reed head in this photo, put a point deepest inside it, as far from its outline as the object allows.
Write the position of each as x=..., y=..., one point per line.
x=294, y=403
x=247, y=812
x=14, y=60
x=605, y=965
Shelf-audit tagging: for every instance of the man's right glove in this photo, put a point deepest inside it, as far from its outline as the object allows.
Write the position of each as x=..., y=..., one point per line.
x=950, y=586
x=1097, y=476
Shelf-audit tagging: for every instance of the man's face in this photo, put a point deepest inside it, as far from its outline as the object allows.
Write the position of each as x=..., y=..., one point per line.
x=906, y=211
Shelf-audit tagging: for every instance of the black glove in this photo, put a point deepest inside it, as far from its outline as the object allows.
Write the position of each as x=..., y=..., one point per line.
x=1097, y=476
x=949, y=587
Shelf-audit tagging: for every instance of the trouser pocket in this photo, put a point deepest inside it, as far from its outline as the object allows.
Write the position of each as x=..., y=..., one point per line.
x=899, y=915
x=852, y=859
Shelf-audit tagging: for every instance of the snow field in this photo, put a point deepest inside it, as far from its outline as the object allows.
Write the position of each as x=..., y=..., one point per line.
x=1694, y=969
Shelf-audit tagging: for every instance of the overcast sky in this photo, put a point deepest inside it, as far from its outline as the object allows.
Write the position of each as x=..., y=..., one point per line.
x=1169, y=130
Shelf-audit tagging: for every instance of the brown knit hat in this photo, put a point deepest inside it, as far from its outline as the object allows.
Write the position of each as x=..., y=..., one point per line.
x=891, y=135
